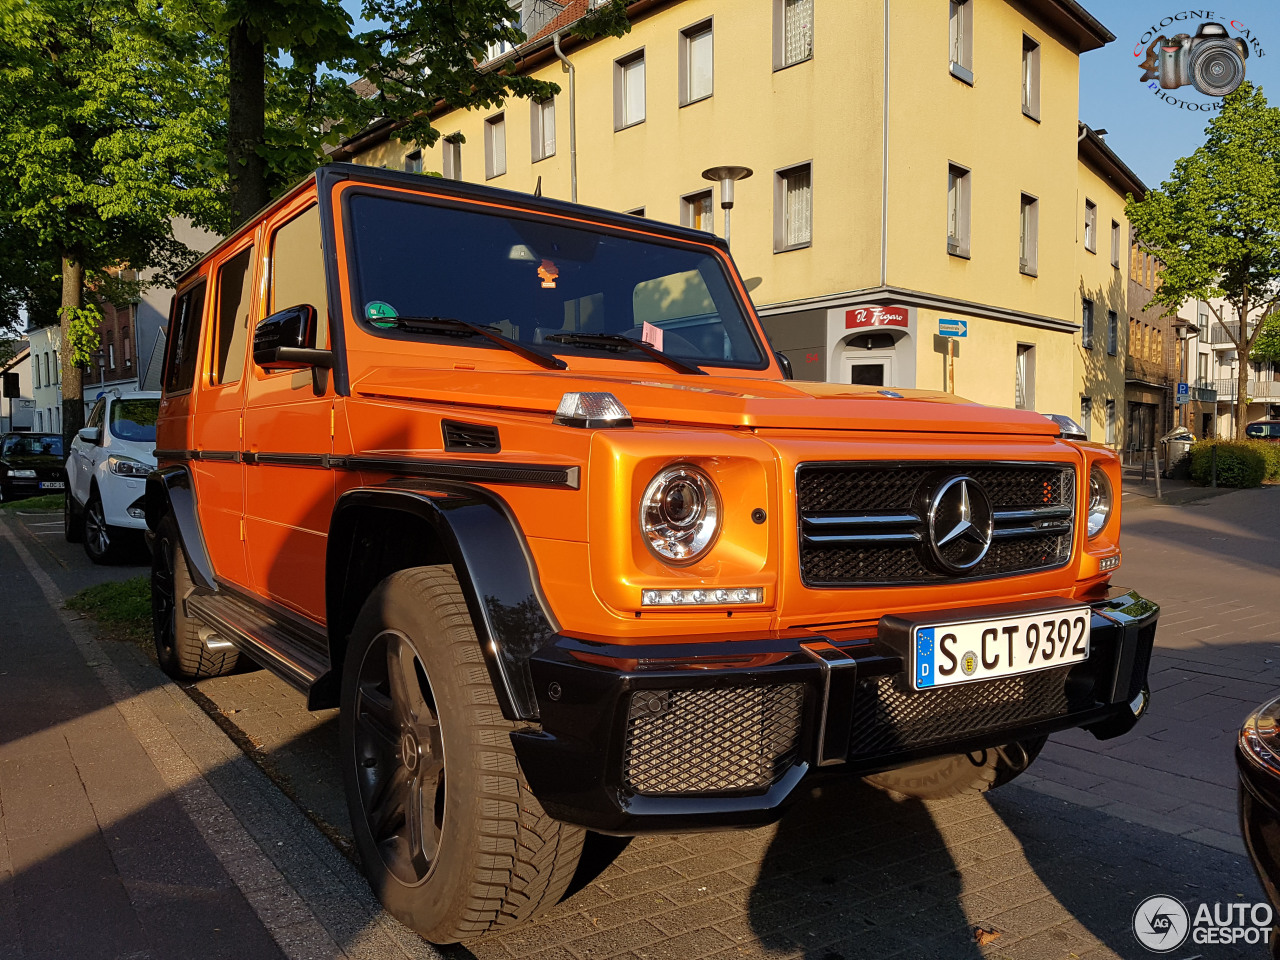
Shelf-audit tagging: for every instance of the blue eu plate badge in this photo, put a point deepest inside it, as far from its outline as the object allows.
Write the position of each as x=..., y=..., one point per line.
x=924, y=657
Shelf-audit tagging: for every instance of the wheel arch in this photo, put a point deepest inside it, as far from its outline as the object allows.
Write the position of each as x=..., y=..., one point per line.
x=170, y=490
x=376, y=531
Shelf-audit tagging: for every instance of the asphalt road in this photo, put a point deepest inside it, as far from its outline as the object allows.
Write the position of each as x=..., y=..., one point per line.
x=1055, y=865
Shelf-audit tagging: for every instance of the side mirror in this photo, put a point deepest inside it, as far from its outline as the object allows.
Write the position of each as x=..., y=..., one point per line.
x=90, y=434
x=785, y=363
x=286, y=340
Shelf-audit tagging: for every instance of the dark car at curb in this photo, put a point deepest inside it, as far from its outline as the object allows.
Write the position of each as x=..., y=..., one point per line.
x=30, y=465
x=1258, y=765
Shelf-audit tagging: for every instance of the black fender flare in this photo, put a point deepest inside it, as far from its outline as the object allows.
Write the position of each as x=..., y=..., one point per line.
x=480, y=535
x=170, y=490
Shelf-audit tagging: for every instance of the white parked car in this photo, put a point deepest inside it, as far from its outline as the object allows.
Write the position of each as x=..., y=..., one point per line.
x=107, y=474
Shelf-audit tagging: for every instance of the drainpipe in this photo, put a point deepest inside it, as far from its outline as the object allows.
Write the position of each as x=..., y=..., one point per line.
x=573, y=123
x=884, y=161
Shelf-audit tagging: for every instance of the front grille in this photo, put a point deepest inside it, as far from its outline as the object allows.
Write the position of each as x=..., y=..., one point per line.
x=864, y=523
x=889, y=718
x=735, y=739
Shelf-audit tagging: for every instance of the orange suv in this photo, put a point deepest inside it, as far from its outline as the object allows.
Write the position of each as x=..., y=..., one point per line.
x=521, y=488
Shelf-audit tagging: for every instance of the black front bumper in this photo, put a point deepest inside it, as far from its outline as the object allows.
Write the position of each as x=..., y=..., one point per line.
x=699, y=735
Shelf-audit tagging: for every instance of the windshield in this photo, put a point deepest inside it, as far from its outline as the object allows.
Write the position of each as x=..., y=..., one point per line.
x=534, y=279
x=36, y=446
x=135, y=420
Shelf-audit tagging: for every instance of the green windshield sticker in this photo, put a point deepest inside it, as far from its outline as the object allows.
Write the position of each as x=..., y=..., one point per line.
x=376, y=310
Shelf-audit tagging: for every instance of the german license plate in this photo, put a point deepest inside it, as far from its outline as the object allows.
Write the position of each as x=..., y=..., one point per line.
x=52, y=485
x=966, y=651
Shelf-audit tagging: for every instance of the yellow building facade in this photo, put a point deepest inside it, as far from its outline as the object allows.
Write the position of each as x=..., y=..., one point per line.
x=893, y=143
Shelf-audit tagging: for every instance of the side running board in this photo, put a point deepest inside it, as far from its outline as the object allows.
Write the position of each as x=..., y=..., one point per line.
x=278, y=646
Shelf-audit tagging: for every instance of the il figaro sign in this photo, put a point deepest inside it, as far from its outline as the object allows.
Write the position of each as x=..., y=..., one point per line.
x=876, y=316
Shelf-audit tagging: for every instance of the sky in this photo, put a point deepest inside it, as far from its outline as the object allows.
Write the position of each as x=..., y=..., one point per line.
x=1147, y=132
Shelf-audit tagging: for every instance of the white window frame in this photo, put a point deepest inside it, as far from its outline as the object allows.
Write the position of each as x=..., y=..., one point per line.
x=495, y=146
x=1087, y=323
x=782, y=222
x=1115, y=244
x=1111, y=423
x=624, y=79
x=1029, y=235
x=689, y=36
x=1090, y=225
x=542, y=126
x=1024, y=388
x=960, y=40
x=689, y=205
x=789, y=55
x=1031, y=77
x=498, y=48
x=451, y=159
x=1113, y=333
x=413, y=161
x=959, y=198
x=1086, y=416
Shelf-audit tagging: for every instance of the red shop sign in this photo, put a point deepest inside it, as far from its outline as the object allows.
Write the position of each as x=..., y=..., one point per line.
x=875, y=317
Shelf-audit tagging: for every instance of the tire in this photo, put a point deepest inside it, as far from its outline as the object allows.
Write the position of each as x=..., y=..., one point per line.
x=179, y=649
x=452, y=857
x=72, y=519
x=103, y=543
x=960, y=774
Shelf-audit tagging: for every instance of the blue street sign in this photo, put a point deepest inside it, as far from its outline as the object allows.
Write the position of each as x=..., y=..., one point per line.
x=1184, y=393
x=953, y=328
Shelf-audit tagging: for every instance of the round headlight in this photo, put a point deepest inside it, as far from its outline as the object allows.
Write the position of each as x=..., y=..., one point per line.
x=680, y=514
x=1100, y=501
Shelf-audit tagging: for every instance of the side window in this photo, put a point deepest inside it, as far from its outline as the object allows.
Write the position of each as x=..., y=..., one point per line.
x=97, y=414
x=235, y=296
x=297, y=269
x=184, y=340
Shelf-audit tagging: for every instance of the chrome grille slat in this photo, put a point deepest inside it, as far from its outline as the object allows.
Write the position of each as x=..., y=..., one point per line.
x=861, y=522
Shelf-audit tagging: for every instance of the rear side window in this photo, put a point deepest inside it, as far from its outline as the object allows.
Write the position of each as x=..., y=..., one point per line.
x=135, y=420
x=235, y=278
x=297, y=269
x=1263, y=431
x=184, y=341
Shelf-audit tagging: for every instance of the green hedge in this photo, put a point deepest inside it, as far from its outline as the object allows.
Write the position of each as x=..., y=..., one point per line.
x=1241, y=463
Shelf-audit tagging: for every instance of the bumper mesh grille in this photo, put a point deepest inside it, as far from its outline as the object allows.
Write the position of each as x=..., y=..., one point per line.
x=735, y=739
x=890, y=719
x=830, y=493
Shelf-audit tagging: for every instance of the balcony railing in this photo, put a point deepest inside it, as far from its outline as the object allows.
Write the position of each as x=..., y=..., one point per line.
x=1258, y=389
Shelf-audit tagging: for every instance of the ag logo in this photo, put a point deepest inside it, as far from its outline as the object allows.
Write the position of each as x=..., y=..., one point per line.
x=1160, y=923
x=969, y=663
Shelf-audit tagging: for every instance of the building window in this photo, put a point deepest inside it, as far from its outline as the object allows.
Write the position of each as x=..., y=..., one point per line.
x=452, y=161
x=35, y=370
x=961, y=39
x=793, y=208
x=496, y=49
x=1086, y=324
x=1113, y=333
x=1202, y=369
x=628, y=91
x=1111, y=422
x=1086, y=416
x=1024, y=389
x=126, y=348
x=696, y=211
x=1115, y=244
x=495, y=146
x=1091, y=226
x=1030, y=77
x=111, y=355
x=39, y=421
x=413, y=162
x=543, y=126
x=792, y=32
x=47, y=378
x=957, y=211
x=637, y=212
x=695, y=63
x=1028, y=235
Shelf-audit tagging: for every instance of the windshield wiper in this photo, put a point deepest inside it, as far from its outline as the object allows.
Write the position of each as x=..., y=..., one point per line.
x=426, y=324
x=613, y=341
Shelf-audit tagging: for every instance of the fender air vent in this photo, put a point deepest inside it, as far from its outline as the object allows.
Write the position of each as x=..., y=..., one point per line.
x=469, y=437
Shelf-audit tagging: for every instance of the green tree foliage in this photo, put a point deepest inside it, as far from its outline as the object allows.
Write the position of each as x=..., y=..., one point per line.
x=1266, y=346
x=1215, y=224
x=106, y=134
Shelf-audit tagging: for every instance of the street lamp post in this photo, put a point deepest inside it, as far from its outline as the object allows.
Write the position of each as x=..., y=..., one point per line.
x=726, y=176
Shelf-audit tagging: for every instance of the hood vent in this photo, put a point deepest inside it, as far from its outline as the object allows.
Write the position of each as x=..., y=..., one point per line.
x=469, y=437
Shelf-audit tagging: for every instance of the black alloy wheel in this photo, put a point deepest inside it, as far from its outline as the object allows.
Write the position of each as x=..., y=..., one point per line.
x=399, y=757
x=98, y=542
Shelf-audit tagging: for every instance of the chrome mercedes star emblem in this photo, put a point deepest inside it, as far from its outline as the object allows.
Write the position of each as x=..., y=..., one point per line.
x=960, y=524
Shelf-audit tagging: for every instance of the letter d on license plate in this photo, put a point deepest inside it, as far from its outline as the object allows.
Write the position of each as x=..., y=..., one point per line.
x=964, y=651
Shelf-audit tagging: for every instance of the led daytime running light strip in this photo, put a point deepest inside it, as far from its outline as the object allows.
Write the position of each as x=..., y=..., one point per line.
x=693, y=598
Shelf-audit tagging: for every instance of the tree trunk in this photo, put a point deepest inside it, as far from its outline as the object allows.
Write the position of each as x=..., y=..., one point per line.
x=1242, y=385
x=246, y=124
x=72, y=387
